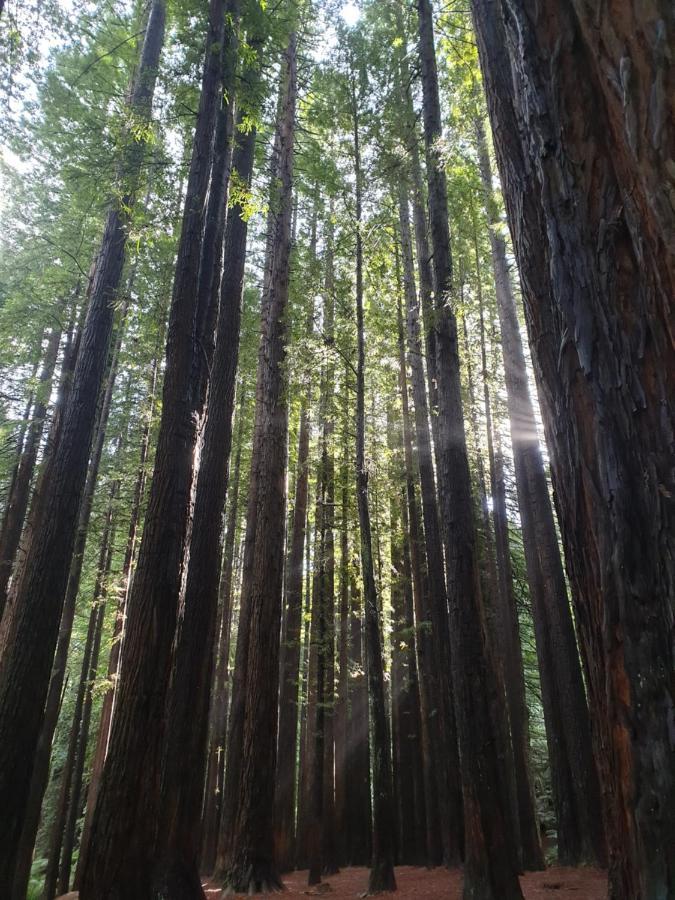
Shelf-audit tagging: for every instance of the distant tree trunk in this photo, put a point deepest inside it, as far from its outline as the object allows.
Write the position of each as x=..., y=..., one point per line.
x=382, y=862
x=19, y=495
x=574, y=776
x=252, y=865
x=61, y=843
x=427, y=684
x=188, y=706
x=446, y=761
x=26, y=664
x=342, y=704
x=598, y=294
x=213, y=801
x=508, y=642
x=405, y=721
x=489, y=869
x=289, y=666
x=359, y=808
x=120, y=859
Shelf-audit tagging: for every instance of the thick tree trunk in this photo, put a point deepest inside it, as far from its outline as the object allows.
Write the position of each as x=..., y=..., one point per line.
x=188, y=706
x=26, y=663
x=598, y=294
x=383, y=827
x=107, y=704
x=574, y=775
x=252, y=865
x=489, y=869
x=120, y=860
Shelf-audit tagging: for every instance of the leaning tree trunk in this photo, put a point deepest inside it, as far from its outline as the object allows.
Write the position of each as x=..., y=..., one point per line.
x=382, y=862
x=120, y=859
x=573, y=772
x=598, y=293
x=252, y=865
x=26, y=663
x=489, y=869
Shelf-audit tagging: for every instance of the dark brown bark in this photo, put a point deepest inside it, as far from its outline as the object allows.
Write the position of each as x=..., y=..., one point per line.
x=40, y=775
x=489, y=870
x=120, y=859
x=598, y=297
x=188, y=706
x=213, y=800
x=252, y=865
x=574, y=777
x=19, y=494
x=26, y=663
x=446, y=761
x=383, y=836
x=107, y=704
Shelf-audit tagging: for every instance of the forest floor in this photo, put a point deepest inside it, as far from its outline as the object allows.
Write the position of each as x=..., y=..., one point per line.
x=553, y=884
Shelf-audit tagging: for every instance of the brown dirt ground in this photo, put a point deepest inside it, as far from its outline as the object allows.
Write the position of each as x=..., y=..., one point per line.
x=553, y=884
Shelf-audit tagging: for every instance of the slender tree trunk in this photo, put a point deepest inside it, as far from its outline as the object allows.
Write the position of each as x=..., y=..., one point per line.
x=26, y=664
x=427, y=684
x=489, y=869
x=40, y=775
x=598, y=295
x=219, y=703
x=446, y=761
x=19, y=495
x=120, y=860
x=252, y=866
x=382, y=863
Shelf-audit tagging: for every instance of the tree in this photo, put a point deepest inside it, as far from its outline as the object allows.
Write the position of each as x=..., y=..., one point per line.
x=589, y=292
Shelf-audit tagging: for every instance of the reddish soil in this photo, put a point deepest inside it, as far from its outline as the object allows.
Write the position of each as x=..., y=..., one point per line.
x=553, y=884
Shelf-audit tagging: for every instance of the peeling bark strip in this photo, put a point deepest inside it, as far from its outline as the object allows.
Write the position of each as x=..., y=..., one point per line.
x=489, y=868
x=599, y=305
x=252, y=866
x=26, y=664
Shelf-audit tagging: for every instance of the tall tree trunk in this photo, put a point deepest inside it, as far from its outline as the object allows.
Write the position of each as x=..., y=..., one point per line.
x=188, y=707
x=19, y=494
x=26, y=663
x=382, y=862
x=574, y=776
x=120, y=859
x=489, y=869
x=40, y=775
x=252, y=865
x=61, y=844
x=598, y=294
x=427, y=684
x=509, y=648
x=213, y=800
x=446, y=761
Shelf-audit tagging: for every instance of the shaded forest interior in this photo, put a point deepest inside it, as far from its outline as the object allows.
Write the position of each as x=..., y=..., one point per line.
x=337, y=448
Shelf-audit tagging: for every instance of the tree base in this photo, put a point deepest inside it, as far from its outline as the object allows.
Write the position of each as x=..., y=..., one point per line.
x=252, y=877
x=178, y=881
x=382, y=878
